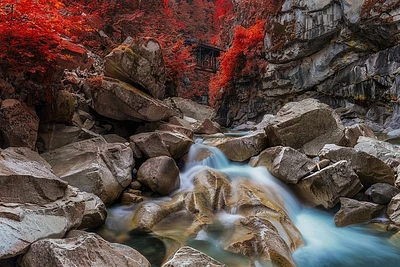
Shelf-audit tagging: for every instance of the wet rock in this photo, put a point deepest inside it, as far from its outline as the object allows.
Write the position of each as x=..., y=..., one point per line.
x=257, y=238
x=370, y=169
x=187, y=256
x=393, y=209
x=60, y=110
x=161, y=143
x=382, y=193
x=25, y=177
x=207, y=127
x=160, y=174
x=326, y=186
x=94, y=166
x=192, y=109
x=23, y=224
x=241, y=148
x=83, y=250
x=120, y=101
x=54, y=136
x=139, y=63
x=353, y=212
x=18, y=125
x=306, y=125
x=285, y=163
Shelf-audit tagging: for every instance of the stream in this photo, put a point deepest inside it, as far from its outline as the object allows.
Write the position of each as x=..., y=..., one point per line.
x=325, y=244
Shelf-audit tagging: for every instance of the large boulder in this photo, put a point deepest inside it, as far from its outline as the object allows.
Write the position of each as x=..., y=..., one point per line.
x=87, y=249
x=207, y=126
x=18, y=125
x=139, y=63
x=353, y=211
x=382, y=193
x=285, y=163
x=380, y=149
x=120, y=101
x=393, y=210
x=54, y=136
x=95, y=213
x=190, y=257
x=241, y=148
x=353, y=132
x=192, y=109
x=25, y=177
x=326, y=186
x=370, y=169
x=94, y=166
x=23, y=224
x=306, y=125
x=160, y=143
x=160, y=174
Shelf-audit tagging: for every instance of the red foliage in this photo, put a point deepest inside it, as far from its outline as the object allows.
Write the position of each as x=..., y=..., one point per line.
x=245, y=47
x=30, y=32
x=222, y=8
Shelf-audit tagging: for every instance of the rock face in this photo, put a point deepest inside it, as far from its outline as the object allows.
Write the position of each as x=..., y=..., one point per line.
x=306, y=125
x=160, y=143
x=187, y=256
x=18, y=125
x=241, y=148
x=370, y=169
x=84, y=250
x=285, y=163
x=139, y=63
x=23, y=224
x=94, y=166
x=25, y=177
x=160, y=174
x=340, y=51
x=353, y=212
x=326, y=186
x=393, y=210
x=382, y=193
x=121, y=101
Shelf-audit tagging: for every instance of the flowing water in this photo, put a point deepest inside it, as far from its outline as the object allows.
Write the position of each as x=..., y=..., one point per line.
x=325, y=244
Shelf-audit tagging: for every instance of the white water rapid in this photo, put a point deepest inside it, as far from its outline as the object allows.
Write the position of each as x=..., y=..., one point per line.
x=325, y=244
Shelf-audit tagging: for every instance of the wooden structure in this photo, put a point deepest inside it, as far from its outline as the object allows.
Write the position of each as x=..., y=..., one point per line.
x=206, y=55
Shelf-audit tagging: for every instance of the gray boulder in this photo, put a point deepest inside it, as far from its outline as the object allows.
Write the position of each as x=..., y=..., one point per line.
x=139, y=63
x=306, y=125
x=285, y=163
x=86, y=249
x=160, y=174
x=326, y=186
x=94, y=166
x=192, y=109
x=382, y=193
x=393, y=210
x=353, y=211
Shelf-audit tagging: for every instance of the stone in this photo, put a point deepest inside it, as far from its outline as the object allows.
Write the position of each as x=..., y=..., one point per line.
x=393, y=210
x=139, y=63
x=187, y=256
x=160, y=174
x=169, y=127
x=30, y=223
x=18, y=125
x=326, y=186
x=83, y=250
x=380, y=149
x=25, y=177
x=94, y=166
x=241, y=148
x=285, y=163
x=352, y=133
x=60, y=110
x=192, y=109
x=72, y=56
x=382, y=193
x=95, y=213
x=354, y=212
x=120, y=101
x=207, y=127
x=54, y=136
x=114, y=138
x=370, y=169
x=160, y=143
x=306, y=125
